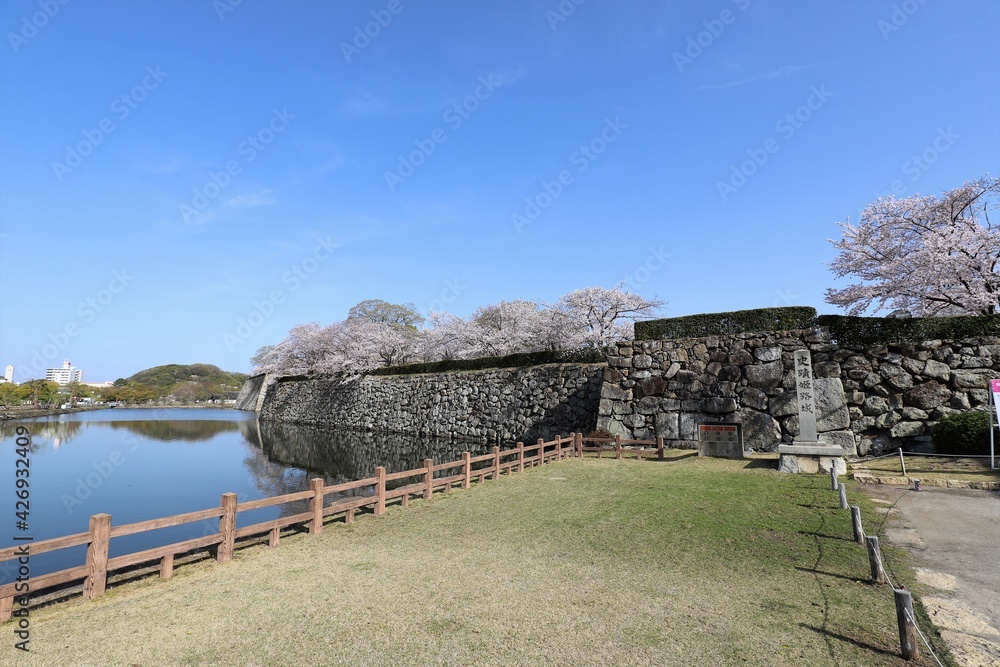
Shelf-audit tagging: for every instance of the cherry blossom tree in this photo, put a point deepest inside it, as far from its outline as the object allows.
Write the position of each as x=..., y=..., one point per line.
x=925, y=255
x=380, y=334
x=604, y=316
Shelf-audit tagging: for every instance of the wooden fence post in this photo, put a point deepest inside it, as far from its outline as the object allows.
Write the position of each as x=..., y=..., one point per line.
x=520, y=457
x=496, y=463
x=167, y=566
x=541, y=452
x=97, y=556
x=579, y=445
x=316, y=506
x=428, y=478
x=380, y=491
x=558, y=442
x=875, y=560
x=618, y=447
x=859, y=531
x=907, y=630
x=227, y=528
x=466, y=470
x=842, y=491
x=659, y=448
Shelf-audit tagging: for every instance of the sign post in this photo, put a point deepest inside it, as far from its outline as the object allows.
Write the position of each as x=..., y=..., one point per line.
x=721, y=440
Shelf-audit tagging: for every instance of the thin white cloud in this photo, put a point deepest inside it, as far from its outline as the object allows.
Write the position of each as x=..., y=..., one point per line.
x=781, y=72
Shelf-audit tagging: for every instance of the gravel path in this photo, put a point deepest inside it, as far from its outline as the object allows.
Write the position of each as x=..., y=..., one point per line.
x=955, y=535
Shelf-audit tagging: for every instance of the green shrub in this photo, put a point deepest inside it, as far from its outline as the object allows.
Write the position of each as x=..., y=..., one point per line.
x=964, y=433
x=848, y=330
x=720, y=324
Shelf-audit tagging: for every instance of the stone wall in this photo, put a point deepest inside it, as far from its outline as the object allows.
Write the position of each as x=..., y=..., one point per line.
x=254, y=389
x=871, y=397
x=498, y=405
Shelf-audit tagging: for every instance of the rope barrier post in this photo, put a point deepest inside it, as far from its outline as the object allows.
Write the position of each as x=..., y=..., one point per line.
x=902, y=463
x=859, y=531
x=842, y=490
x=875, y=560
x=907, y=628
x=833, y=478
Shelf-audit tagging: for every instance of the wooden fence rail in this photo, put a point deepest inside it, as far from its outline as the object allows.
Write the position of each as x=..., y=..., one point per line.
x=98, y=566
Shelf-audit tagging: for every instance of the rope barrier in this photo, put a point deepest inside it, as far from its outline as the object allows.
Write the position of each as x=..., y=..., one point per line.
x=892, y=586
x=924, y=639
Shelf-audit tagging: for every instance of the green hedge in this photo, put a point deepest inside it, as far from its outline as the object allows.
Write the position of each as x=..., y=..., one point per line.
x=718, y=324
x=586, y=356
x=848, y=330
x=964, y=433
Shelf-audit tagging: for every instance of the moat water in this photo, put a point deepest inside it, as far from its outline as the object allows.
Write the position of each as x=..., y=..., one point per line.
x=139, y=464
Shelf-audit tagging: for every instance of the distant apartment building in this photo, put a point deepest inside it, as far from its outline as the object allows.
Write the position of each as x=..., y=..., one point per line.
x=8, y=374
x=65, y=375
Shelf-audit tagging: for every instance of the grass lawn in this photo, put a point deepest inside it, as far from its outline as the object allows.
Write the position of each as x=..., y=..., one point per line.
x=585, y=562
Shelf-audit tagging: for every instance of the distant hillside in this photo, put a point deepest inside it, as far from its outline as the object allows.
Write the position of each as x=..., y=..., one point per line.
x=171, y=374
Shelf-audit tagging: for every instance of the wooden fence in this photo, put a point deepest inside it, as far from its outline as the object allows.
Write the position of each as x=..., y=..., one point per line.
x=417, y=482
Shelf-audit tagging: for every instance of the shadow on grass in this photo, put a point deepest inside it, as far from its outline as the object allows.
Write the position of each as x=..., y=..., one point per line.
x=768, y=464
x=850, y=640
x=826, y=537
x=810, y=570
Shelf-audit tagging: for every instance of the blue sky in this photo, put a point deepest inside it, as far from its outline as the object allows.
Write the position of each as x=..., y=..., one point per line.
x=182, y=181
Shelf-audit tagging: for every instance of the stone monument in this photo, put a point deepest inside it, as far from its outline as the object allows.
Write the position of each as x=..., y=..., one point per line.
x=808, y=453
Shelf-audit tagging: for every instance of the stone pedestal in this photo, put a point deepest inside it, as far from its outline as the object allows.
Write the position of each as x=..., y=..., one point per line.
x=815, y=457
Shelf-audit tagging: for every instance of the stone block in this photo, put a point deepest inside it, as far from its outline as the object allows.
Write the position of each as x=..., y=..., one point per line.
x=634, y=421
x=831, y=405
x=971, y=379
x=784, y=404
x=875, y=405
x=667, y=425
x=888, y=420
x=760, y=431
x=715, y=405
x=670, y=404
x=842, y=439
x=730, y=373
x=672, y=370
x=765, y=375
x=740, y=358
x=647, y=405
x=907, y=430
x=768, y=354
x=976, y=362
x=613, y=392
x=855, y=397
x=912, y=414
x=688, y=424
x=826, y=369
x=927, y=395
x=752, y=398
x=856, y=362
x=642, y=361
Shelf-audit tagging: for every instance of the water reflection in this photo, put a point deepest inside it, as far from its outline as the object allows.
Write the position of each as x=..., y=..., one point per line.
x=352, y=454
x=128, y=463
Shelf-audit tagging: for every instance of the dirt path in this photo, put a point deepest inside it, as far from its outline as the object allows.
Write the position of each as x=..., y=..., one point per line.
x=955, y=535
